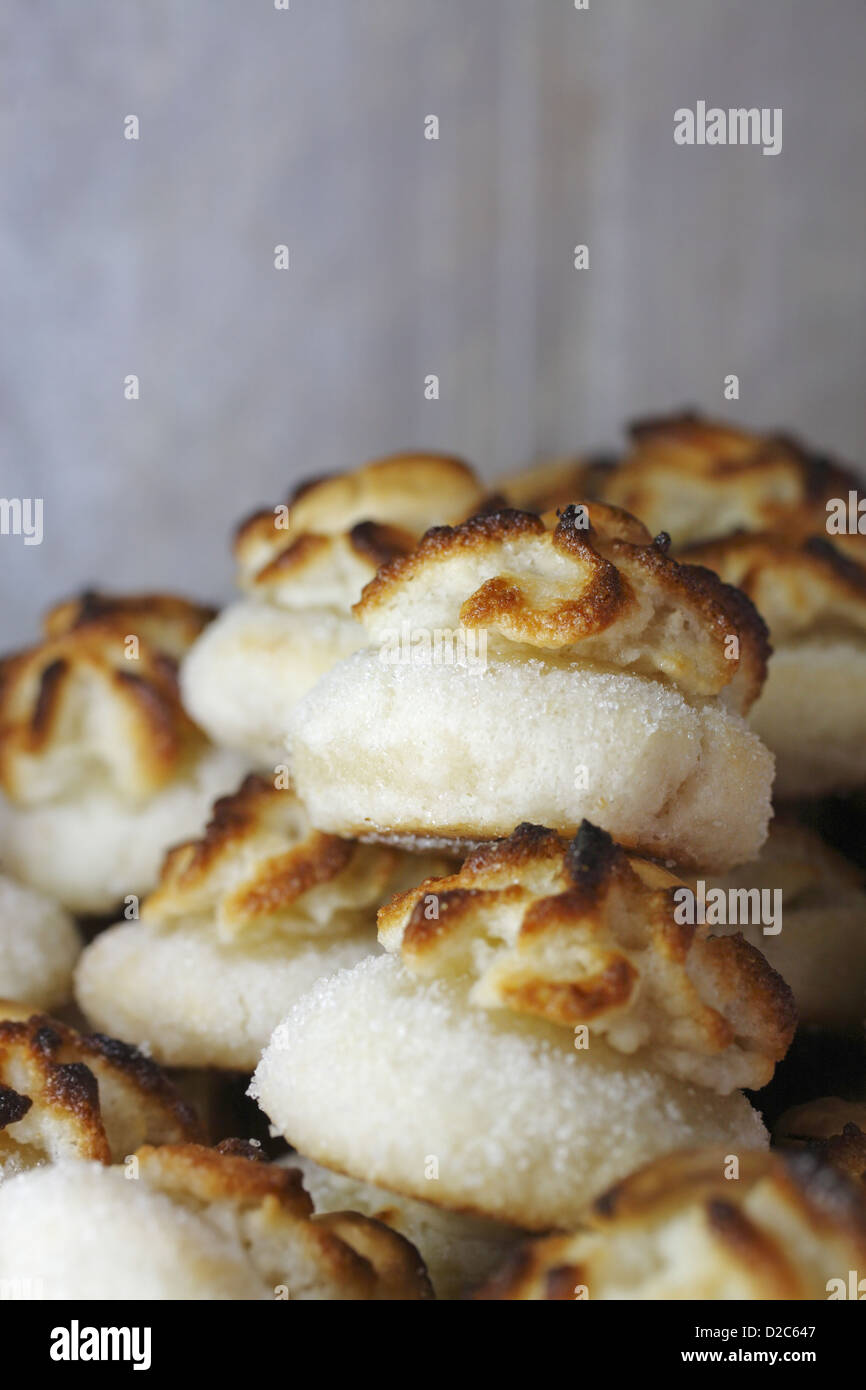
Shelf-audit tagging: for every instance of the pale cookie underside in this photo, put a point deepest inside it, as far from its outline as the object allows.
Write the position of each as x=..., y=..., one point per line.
x=39, y=945
x=812, y=715
x=92, y=851
x=248, y=670
x=79, y=1231
x=376, y=1075
x=197, y=1003
x=449, y=755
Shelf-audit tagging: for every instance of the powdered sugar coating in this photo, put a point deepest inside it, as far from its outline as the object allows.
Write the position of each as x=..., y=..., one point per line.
x=376, y=1074
x=39, y=945
x=91, y=850
x=465, y=754
x=196, y=1002
x=82, y=1231
x=253, y=664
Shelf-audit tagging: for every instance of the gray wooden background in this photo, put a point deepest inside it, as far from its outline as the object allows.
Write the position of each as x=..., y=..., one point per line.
x=408, y=256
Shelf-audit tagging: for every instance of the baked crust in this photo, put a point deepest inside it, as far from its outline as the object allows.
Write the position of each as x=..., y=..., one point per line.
x=832, y=1128
x=845, y=1151
x=260, y=868
x=803, y=587
x=65, y=1094
x=680, y=1228
x=85, y=703
x=583, y=933
x=335, y=532
x=588, y=585
x=360, y=1257
x=700, y=478
x=169, y=623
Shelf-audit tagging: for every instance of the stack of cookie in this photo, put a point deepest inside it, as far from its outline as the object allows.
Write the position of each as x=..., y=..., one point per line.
x=300, y=567
x=470, y=769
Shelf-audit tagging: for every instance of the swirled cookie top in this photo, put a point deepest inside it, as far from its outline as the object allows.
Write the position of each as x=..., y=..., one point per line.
x=97, y=701
x=261, y=870
x=330, y=537
x=66, y=1095
x=688, y=1226
x=698, y=479
x=803, y=587
x=582, y=933
x=337, y=1255
x=587, y=586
